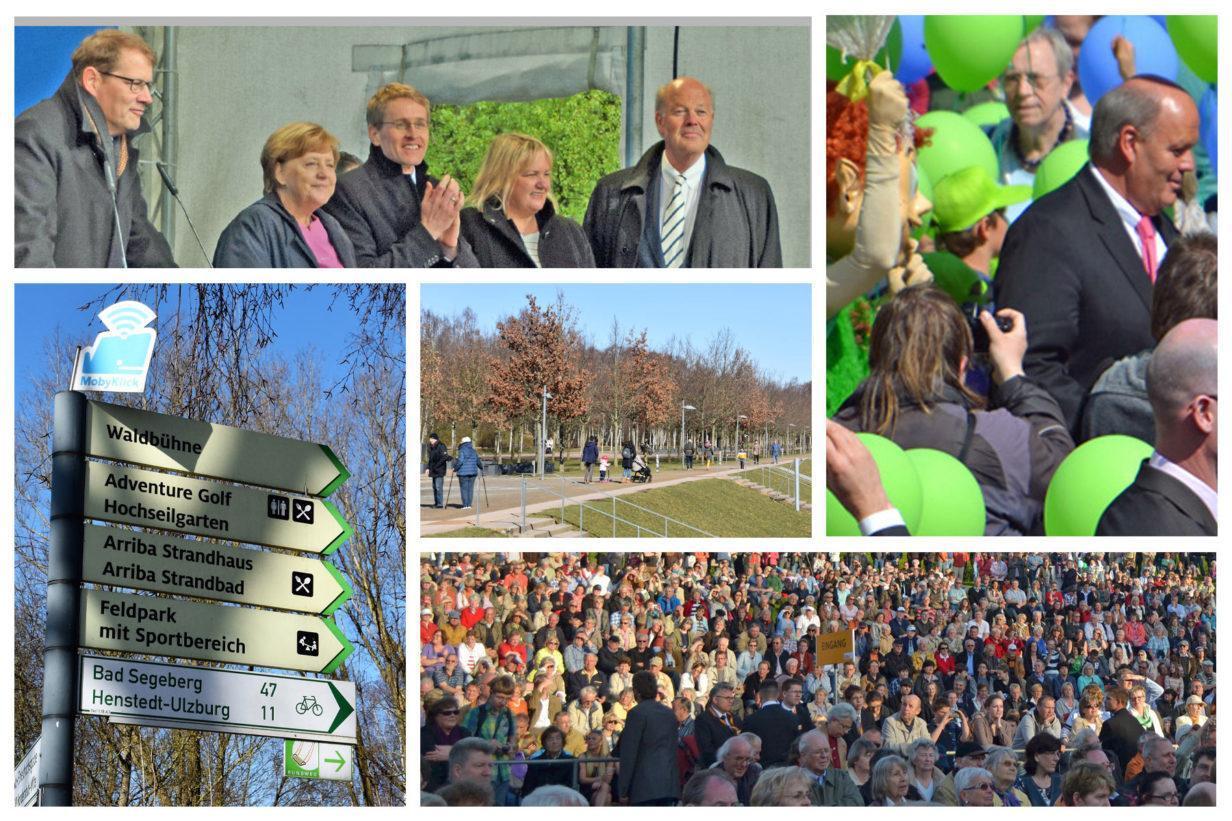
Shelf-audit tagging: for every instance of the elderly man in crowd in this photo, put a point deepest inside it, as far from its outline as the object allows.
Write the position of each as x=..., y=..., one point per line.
x=1037, y=85
x=837, y=788
x=737, y=759
x=395, y=214
x=682, y=205
x=77, y=191
x=1174, y=493
x=1080, y=264
x=905, y=726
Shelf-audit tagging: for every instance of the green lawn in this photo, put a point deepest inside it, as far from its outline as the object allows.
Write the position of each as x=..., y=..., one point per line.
x=782, y=482
x=714, y=505
x=468, y=533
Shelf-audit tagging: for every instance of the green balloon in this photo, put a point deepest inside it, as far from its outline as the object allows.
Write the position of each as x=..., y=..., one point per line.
x=956, y=143
x=1030, y=22
x=1196, y=37
x=953, y=504
x=898, y=476
x=1088, y=480
x=989, y=113
x=968, y=50
x=1059, y=167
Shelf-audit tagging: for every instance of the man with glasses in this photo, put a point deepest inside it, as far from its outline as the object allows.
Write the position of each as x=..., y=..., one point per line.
x=78, y=200
x=717, y=722
x=395, y=214
x=1037, y=84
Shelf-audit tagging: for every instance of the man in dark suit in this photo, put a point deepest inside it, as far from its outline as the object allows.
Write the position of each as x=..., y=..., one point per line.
x=1174, y=493
x=1120, y=732
x=716, y=723
x=774, y=724
x=1080, y=263
x=649, y=775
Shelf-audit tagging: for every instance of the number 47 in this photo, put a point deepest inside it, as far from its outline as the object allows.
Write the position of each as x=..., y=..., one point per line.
x=268, y=688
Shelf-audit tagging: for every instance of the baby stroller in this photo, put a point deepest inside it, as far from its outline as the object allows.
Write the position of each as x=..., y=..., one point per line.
x=641, y=471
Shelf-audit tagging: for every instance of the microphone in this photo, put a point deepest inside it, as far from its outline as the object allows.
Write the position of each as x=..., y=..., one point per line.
x=166, y=175
x=104, y=148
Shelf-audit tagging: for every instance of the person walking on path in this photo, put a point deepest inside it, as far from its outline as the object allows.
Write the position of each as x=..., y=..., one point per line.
x=590, y=456
x=466, y=468
x=438, y=464
x=627, y=454
x=689, y=450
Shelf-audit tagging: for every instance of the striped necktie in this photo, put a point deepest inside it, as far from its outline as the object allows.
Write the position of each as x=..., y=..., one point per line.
x=673, y=226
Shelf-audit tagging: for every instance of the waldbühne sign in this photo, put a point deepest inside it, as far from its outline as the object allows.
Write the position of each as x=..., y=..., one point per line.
x=203, y=698
x=157, y=440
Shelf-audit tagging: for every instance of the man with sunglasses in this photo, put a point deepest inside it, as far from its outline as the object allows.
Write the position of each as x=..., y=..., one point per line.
x=78, y=200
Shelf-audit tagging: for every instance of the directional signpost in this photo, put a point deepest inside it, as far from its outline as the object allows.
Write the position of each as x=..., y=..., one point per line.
x=201, y=698
x=26, y=777
x=146, y=498
x=258, y=490
x=218, y=451
x=207, y=570
x=210, y=632
x=311, y=759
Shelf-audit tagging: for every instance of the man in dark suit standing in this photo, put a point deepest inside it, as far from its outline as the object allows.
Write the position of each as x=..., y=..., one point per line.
x=1080, y=263
x=1174, y=493
x=1120, y=732
x=774, y=724
x=716, y=723
x=649, y=775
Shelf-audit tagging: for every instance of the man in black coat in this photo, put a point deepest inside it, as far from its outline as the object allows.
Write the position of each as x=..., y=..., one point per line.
x=649, y=774
x=395, y=214
x=716, y=723
x=1174, y=493
x=438, y=466
x=1076, y=263
x=1121, y=731
x=774, y=724
x=77, y=170
x=682, y=206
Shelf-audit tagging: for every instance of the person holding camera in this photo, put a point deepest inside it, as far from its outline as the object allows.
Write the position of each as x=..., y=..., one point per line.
x=916, y=395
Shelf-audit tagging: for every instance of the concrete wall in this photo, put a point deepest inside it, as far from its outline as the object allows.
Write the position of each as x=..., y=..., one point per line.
x=239, y=83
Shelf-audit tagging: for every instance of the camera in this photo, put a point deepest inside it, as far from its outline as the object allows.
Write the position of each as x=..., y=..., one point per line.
x=971, y=312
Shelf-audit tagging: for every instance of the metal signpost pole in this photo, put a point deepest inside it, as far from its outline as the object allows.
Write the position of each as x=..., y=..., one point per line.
x=63, y=580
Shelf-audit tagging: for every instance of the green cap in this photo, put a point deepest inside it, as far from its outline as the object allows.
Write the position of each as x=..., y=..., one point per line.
x=963, y=198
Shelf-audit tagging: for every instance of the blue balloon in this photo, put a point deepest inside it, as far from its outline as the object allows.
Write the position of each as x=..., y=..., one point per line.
x=1153, y=53
x=915, y=64
x=1208, y=129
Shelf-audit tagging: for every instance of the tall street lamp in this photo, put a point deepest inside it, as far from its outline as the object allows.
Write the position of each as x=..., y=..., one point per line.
x=739, y=416
x=543, y=431
x=683, y=408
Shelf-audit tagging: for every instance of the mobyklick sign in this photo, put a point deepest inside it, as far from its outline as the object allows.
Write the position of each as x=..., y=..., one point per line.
x=131, y=623
x=166, y=564
x=134, y=496
x=228, y=701
x=218, y=451
x=311, y=759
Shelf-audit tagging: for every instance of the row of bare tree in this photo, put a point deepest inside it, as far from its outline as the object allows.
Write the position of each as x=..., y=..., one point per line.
x=488, y=385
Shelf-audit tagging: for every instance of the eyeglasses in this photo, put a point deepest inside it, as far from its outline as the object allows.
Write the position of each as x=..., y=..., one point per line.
x=406, y=125
x=1166, y=798
x=134, y=85
x=983, y=785
x=448, y=713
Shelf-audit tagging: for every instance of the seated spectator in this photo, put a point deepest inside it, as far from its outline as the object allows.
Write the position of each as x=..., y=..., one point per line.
x=1086, y=785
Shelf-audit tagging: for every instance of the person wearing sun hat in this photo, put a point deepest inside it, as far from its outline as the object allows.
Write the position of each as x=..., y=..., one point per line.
x=969, y=211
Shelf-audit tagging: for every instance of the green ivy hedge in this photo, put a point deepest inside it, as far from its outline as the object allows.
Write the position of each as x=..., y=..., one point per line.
x=583, y=132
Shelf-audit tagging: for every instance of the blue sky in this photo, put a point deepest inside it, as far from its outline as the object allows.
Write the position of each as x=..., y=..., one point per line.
x=304, y=319
x=772, y=322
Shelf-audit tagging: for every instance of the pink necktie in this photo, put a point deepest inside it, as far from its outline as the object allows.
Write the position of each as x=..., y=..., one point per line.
x=1146, y=231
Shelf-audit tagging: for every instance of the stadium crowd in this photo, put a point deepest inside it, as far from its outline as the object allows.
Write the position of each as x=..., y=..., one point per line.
x=1008, y=679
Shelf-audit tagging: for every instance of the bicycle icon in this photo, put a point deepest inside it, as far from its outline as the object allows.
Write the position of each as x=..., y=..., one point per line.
x=309, y=703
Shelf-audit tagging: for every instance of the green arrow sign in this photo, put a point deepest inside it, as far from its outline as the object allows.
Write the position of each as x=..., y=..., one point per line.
x=158, y=626
x=168, y=564
x=311, y=759
x=201, y=507
x=219, y=451
x=230, y=701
